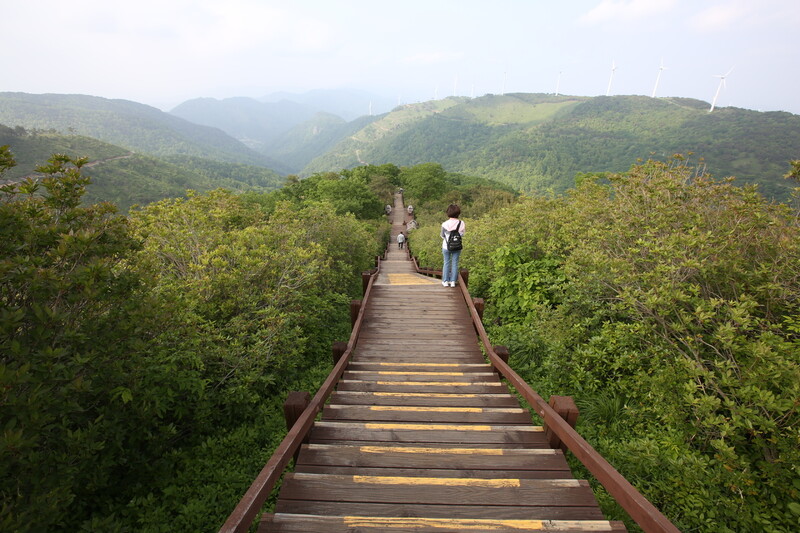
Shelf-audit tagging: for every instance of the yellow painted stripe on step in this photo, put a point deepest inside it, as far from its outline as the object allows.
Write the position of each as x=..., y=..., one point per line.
x=469, y=524
x=418, y=364
x=426, y=451
x=449, y=524
x=425, y=395
x=389, y=373
x=445, y=427
x=436, y=383
x=443, y=481
x=426, y=409
x=408, y=279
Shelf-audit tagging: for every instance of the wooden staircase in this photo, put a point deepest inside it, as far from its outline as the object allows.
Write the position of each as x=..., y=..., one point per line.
x=421, y=434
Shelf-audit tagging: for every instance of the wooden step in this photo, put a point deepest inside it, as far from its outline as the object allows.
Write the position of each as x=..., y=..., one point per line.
x=377, y=366
x=440, y=399
x=417, y=375
x=517, y=436
x=300, y=523
x=405, y=413
x=436, y=491
x=444, y=460
x=458, y=387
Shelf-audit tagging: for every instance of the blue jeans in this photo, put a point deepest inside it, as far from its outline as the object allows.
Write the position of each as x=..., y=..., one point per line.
x=450, y=268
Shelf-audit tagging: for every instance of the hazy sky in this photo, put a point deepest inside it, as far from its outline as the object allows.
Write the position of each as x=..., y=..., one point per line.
x=162, y=52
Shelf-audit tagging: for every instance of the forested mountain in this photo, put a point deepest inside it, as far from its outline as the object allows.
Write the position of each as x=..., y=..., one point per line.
x=254, y=123
x=533, y=142
x=312, y=138
x=124, y=123
x=124, y=177
x=346, y=103
x=288, y=132
x=539, y=142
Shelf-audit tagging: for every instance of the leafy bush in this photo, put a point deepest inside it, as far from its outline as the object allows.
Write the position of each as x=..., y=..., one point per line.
x=667, y=303
x=131, y=345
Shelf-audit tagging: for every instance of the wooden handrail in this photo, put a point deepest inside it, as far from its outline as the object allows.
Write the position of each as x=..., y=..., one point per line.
x=253, y=500
x=644, y=513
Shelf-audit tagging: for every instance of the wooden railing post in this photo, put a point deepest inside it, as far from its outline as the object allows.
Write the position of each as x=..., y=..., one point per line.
x=465, y=275
x=338, y=350
x=296, y=402
x=355, y=308
x=566, y=409
x=479, y=306
x=365, y=276
x=502, y=353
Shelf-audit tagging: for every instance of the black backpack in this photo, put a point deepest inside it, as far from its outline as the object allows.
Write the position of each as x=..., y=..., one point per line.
x=454, y=239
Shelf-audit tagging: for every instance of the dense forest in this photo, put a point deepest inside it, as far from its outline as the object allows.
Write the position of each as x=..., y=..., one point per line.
x=144, y=357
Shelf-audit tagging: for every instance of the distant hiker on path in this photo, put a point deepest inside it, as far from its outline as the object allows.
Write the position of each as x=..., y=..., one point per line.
x=401, y=238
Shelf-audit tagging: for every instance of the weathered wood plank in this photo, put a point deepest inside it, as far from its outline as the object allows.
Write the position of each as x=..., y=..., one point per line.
x=290, y=523
x=401, y=432
x=424, y=339
x=433, y=457
x=433, y=472
x=424, y=386
x=439, y=511
x=439, y=491
x=398, y=413
x=421, y=375
x=443, y=399
x=427, y=366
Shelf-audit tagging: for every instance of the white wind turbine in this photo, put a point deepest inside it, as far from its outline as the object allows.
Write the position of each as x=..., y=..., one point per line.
x=613, y=69
x=719, y=87
x=558, y=83
x=658, y=78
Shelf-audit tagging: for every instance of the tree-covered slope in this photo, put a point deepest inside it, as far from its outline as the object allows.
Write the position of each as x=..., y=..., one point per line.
x=126, y=178
x=540, y=142
x=124, y=123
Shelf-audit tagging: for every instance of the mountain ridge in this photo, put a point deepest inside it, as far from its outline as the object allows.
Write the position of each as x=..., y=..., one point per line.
x=540, y=142
x=124, y=123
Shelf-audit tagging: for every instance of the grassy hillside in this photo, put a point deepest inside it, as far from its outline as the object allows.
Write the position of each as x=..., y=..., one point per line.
x=127, y=178
x=539, y=142
x=123, y=123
